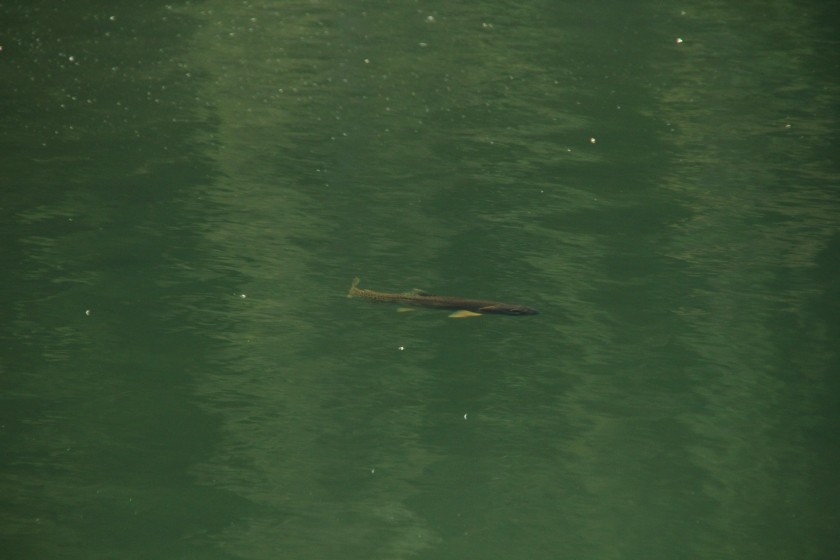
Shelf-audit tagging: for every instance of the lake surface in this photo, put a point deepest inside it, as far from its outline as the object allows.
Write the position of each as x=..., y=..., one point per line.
x=189, y=188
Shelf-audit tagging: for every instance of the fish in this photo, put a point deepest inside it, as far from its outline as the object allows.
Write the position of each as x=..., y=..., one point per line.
x=464, y=307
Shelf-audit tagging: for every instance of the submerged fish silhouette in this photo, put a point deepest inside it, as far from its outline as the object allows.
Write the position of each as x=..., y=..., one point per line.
x=464, y=307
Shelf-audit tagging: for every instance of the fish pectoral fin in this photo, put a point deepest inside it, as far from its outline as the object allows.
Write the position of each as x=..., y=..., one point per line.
x=463, y=314
x=405, y=309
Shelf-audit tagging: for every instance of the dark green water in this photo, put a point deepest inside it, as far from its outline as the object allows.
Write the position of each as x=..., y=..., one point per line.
x=188, y=190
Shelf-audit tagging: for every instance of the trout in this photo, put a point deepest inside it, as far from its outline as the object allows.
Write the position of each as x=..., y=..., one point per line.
x=463, y=307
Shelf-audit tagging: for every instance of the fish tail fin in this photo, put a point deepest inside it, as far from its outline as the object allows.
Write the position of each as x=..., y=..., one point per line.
x=353, y=286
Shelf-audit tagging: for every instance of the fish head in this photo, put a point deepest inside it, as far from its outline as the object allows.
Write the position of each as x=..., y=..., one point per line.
x=506, y=309
x=521, y=310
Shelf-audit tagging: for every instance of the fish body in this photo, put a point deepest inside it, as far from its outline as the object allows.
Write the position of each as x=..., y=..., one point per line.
x=419, y=298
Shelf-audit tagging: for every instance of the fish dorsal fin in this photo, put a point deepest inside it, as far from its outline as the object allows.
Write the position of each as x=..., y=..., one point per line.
x=418, y=292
